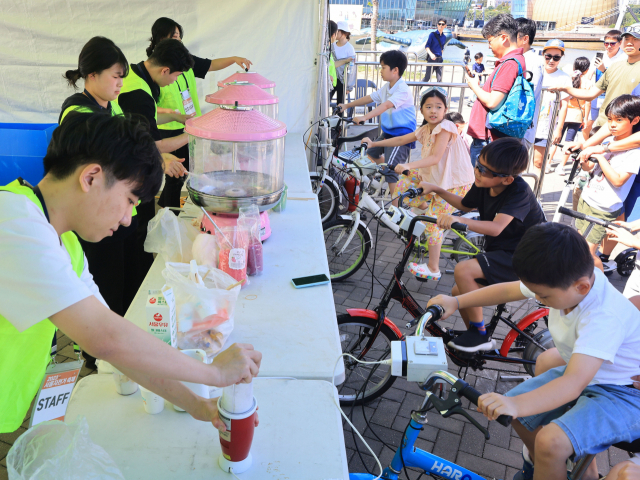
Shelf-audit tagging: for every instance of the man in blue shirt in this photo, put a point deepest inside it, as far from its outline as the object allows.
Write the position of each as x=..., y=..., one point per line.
x=434, y=47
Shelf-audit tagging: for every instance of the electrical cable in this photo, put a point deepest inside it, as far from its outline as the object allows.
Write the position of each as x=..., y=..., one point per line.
x=386, y=362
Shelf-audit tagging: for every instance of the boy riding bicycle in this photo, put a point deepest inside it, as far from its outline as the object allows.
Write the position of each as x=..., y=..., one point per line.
x=507, y=208
x=613, y=175
x=597, y=333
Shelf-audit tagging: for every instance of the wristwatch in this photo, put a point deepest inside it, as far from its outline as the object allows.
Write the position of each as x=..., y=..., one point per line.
x=606, y=148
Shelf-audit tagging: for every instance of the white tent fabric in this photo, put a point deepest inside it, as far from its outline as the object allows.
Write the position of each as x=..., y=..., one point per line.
x=42, y=39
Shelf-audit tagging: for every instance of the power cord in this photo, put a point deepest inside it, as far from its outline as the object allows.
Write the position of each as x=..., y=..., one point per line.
x=353, y=428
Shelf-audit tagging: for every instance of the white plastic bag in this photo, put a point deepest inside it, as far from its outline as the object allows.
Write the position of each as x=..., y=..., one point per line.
x=56, y=449
x=205, y=304
x=170, y=236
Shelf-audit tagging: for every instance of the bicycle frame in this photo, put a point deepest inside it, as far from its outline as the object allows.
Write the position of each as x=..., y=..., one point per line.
x=397, y=291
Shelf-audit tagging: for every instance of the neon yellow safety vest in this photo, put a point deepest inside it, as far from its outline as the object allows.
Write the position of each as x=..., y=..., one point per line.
x=115, y=110
x=332, y=70
x=170, y=97
x=134, y=82
x=24, y=356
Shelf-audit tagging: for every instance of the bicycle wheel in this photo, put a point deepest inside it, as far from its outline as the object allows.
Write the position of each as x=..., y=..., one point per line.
x=343, y=265
x=626, y=266
x=461, y=246
x=328, y=196
x=531, y=351
x=363, y=382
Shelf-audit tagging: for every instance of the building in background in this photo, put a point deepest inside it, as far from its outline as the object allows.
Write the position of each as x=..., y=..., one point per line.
x=522, y=8
x=394, y=15
x=567, y=14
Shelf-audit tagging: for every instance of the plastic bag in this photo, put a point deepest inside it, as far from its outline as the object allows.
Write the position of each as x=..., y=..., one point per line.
x=205, y=250
x=254, y=248
x=170, y=237
x=205, y=303
x=234, y=243
x=57, y=449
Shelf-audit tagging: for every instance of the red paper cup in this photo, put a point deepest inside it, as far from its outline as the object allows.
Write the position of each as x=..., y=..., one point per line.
x=236, y=440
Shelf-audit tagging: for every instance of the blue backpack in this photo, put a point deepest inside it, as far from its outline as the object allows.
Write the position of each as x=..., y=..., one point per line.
x=515, y=115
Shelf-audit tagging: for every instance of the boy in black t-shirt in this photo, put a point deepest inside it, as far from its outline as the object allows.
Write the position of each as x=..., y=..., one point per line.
x=507, y=208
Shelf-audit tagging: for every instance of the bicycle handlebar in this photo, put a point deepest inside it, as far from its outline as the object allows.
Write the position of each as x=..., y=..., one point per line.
x=471, y=394
x=587, y=218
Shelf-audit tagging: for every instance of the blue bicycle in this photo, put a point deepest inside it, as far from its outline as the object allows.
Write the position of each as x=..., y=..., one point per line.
x=407, y=456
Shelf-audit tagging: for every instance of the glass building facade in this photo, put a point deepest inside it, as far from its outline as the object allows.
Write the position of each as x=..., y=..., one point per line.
x=409, y=14
x=522, y=8
x=550, y=14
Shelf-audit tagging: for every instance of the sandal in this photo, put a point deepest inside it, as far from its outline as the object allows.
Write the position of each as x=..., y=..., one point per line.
x=421, y=271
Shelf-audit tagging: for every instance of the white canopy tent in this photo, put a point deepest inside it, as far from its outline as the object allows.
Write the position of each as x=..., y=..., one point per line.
x=42, y=39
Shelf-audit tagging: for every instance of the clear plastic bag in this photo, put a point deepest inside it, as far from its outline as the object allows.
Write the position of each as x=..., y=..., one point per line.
x=58, y=449
x=170, y=237
x=205, y=304
x=249, y=219
x=234, y=243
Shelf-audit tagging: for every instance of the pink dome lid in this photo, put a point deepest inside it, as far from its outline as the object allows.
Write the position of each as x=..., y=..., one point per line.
x=251, y=77
x=243, y=93
x=230, y=125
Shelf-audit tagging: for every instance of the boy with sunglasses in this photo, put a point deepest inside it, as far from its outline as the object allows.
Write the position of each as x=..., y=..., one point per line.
x=507, y=208
x=552, y=76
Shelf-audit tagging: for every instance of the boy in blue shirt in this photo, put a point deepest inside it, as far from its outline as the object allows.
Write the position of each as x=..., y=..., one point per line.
x=397, y=114
x=478, y=67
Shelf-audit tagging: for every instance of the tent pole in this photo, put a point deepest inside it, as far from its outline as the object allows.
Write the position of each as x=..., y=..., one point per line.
x=322, y=95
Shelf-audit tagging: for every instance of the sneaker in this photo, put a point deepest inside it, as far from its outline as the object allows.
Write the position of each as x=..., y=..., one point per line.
x=421, y=270
x=473, y=341
x=526, y=472
x=609, y=267
x=560, y=171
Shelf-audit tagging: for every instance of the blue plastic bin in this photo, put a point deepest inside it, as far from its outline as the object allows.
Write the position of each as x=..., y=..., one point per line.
x=22, y=148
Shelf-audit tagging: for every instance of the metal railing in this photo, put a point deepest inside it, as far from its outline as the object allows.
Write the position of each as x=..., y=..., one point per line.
x=372, y=56
x=458, y=96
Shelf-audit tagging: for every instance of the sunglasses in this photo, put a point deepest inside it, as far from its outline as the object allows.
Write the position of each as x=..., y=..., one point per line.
x=610, y=44
x=484, y=171
x=556, y=58
x=442, y=24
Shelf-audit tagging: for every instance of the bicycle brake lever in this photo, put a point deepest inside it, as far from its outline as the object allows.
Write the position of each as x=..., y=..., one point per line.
x=458, y=410
x=452, y=406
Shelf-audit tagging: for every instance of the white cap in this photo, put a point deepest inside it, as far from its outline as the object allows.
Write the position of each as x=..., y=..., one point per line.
x=344, y=26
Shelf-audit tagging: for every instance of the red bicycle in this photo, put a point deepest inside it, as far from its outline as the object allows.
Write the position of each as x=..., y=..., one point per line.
x=367, y=334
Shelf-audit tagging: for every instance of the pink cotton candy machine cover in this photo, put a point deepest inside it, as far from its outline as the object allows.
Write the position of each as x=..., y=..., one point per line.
x=250, y=77
x=235, y=125
x=243, y=93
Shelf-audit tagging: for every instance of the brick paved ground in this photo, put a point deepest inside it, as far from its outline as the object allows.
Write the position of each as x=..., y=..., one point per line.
x=455, y=438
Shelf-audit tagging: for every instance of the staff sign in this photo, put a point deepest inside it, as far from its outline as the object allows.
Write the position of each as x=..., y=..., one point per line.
x=53, y=397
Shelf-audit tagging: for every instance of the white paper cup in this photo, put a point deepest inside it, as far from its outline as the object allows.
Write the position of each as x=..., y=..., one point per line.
x=153, y=403
x=237, y=398
x=124, y=385
x=197, y=388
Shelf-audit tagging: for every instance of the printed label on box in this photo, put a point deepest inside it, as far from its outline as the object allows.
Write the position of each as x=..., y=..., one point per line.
x=161, y=315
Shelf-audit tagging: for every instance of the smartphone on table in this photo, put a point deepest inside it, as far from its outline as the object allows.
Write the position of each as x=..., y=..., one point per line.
x=310, y=281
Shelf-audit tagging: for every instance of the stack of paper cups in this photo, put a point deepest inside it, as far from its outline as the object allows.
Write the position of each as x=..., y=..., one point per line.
x=237, y=409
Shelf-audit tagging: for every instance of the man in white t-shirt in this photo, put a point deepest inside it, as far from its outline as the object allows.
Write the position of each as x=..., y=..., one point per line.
x=596, y=332
x=553, y=52
x=97, y=167
x=526, y=36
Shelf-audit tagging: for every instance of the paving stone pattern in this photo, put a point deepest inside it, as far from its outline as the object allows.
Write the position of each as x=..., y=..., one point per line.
x=383, y=421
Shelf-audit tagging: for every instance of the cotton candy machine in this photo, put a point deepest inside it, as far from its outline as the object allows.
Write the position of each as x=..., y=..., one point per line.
x=236, y=159
x=249, y=77
x=246, y=94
